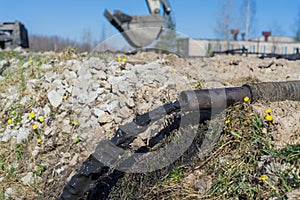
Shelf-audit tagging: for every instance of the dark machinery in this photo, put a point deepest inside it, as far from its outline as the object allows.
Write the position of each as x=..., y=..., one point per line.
x=13, y=34
x=140, y=31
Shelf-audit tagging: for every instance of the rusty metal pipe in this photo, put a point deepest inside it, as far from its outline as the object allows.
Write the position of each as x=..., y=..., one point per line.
x=275, y=91
x=208, y=98
x=224, y=97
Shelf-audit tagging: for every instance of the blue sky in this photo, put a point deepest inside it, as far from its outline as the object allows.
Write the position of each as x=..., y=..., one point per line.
x=195, y=18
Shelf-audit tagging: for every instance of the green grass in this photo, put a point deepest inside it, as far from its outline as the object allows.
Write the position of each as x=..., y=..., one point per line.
x=40, y=170
x=238, y=174
x=177, y=174
x=19, y=150
x=232, y=165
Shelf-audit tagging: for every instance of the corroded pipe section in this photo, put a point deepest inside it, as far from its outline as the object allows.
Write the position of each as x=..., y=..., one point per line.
x=212, y=98
x=224, y=97
x=275, y=91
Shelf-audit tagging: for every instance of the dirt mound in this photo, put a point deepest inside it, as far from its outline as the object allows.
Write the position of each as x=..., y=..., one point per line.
x=55, y=107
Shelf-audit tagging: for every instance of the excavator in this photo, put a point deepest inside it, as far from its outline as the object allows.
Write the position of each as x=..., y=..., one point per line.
x=141, y=31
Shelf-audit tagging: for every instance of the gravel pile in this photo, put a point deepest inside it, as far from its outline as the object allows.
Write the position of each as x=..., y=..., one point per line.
x=92, y=94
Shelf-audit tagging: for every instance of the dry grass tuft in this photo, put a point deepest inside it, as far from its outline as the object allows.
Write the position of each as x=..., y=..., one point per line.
x=243, y=165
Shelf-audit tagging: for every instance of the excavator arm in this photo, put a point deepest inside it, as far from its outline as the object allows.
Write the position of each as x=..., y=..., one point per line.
x=155, y=5
x=141, y=31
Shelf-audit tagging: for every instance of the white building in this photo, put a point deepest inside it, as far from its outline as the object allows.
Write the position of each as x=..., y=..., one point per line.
x=261, y=45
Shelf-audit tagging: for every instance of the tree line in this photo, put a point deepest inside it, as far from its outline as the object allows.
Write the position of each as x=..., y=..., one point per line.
x=56, y=43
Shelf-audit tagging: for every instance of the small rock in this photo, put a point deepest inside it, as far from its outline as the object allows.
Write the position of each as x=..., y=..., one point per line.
x=25, y=118
x=74, y=160
x=143, y=107
x=67, y=128
x=34, y=153
x=46, y=110
x=59, y=171
x=294, y=195
x=28, y=179
x=124, y=112
x=268, y=70
x=26, y=65
x=66, y=122
x=101, y=75
x=98, y=112
x=24, y=100
x=106, y=118
x=100, y=91
x=61, y=91
x=130, y=103
x=50, y=76
x=45, y=67
x=96, y=63
x=66, y=155
x=31, y=85
x=123, y=86
x=118, y=120
x=107, y=127
x=69, y=75
x=8, y=191
x=92, y=97
x=54, y=98
x=190, y=179
x=48, y=131
x=8, y=133
x=203, y=185
x=111, y=107
x=137, y=143
x=235, y=62
x=56, y=84
x=22, y=135
x=18, y=49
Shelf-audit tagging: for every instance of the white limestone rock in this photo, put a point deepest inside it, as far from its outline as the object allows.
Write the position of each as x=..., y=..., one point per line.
x=54, y=98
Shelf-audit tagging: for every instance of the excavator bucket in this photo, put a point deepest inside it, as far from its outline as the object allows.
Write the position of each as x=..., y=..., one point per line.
x=139, y=31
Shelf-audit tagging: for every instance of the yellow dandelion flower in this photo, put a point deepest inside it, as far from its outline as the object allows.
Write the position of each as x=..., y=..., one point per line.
x=124, y=59
x=30, y=61
x=119, y=59
x=75, y=123
x=36, y=67
x=41, y=119
x=174, y=70
x=246, y=99
x=269, y=118
x=263, y=178
x=227, y=121
x=34, y=126
x=39, y=140
x=268, y=111
x=31, y=115
x=9, y=121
